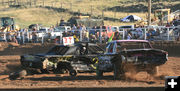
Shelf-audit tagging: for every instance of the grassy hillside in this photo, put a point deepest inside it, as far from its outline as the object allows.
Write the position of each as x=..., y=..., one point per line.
x=25, y=17
x=29, y=12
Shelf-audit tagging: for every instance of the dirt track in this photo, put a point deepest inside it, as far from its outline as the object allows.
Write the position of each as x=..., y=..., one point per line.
x=10, y=63
x=142, y=79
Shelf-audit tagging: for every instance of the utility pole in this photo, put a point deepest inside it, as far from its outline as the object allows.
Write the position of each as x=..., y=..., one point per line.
x=149, y=12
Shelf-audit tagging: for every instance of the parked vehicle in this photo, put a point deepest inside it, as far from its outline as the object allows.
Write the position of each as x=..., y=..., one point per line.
x=86, y=21
x=43, y=32
x=59, y=30
x=114, y=28
x=126, y=27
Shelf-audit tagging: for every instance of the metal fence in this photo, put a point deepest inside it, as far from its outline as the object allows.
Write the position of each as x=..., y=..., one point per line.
x=93, y=35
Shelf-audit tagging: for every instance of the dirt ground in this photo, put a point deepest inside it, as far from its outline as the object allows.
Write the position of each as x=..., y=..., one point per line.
x=10, y=63
x=142, y=79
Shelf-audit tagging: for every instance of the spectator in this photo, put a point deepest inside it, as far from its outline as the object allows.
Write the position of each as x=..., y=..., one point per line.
x=51, y=29
x=65, y=34
x=82, y=28
x=139, y=33
x=148, y=35
x=56, y=40
x=129, y=36
x=86, y=35
x=157, y=33
x=78, y=27
x=9, y=38
x=116, y=35
x=93, y=31
x=74, y=28
x=18, y=37
x=34, y=37
x=168, y=25
x=153, y=32
x=15, y=38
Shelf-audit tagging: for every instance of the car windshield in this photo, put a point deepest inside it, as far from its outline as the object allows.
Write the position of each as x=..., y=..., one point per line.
x=133, y=45
x=58, y=50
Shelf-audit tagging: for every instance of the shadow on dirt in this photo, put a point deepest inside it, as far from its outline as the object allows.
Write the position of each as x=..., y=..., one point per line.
x=81, y=78
x=69, y=78
x=9, y=68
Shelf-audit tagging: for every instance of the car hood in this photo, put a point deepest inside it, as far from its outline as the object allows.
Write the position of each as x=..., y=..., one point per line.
x=147, y=49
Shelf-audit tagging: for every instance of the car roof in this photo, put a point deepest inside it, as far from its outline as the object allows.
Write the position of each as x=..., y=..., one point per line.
x=130, y=41
x=77, y=44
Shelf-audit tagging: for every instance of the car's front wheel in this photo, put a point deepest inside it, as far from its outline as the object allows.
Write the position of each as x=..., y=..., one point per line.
x=153, y=70
x=118, y=70
x=99, y=73
x=72, y=73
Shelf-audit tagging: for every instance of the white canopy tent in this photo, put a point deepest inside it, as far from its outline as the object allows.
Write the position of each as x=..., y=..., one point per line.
x=131, y=18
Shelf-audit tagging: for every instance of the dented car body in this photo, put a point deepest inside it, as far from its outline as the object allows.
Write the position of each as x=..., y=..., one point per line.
x=122, y=54
x=137, y=52
x=119, y=56
x=72, y=58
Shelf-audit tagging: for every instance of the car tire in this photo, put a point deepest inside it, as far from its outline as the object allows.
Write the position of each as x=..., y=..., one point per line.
x=118, y=70
x=118, y=67
x=116, y=73
x=99, y=73
x=153, y=71
x=15, y=75
x=72, y=73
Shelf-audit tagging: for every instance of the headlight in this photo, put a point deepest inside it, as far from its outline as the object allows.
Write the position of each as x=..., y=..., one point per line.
x=166, y=56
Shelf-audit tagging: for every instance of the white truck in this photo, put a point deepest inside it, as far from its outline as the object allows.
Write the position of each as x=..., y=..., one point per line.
x=59, y=30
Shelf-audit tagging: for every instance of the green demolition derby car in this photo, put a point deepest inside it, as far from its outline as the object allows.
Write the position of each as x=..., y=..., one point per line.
x=71, y=58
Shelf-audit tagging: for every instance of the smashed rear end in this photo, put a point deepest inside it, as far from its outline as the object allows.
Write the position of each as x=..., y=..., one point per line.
x=140, y=52
x=31, y=61
x=145, y=56
x=42, y=61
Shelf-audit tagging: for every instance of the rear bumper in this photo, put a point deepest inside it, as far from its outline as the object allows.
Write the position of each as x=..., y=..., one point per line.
x=145, y=60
